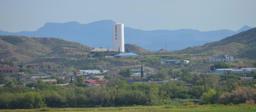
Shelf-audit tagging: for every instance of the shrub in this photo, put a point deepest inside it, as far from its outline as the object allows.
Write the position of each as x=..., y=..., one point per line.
x=240, y=95
x=209, y=96
x=24, y=100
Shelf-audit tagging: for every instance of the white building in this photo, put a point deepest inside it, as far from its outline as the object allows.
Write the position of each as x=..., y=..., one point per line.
x=221, y=58
x=118, y=38
x=235, y=70
x=92, y=72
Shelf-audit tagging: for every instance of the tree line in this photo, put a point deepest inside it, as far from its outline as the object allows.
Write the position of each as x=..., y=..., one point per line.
x=120, y=93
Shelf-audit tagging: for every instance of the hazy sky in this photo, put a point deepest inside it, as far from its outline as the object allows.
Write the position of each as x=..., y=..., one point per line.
x=19, y=15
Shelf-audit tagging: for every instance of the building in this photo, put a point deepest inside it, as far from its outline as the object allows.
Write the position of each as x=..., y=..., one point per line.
x=8, y=69
x=92, y=82
x=118, y=38
x=173, y=61
x=235, y=70
x=246, y=78
x=125, y=55
x=221, y=58
x=137, y=73
x=99, y=50
x=95, y=50
x=186, y=61
x=36, y=77
x=50, y=81
x=91, y=72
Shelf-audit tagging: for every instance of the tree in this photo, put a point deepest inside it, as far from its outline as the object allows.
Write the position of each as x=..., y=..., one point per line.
x=54, y=99
x=5, y=99
x=209, y=96
x=32, y=100
x=125, y=73
x=254, y=64
x=80, y=81
x=153, y=93
x=239, y=95
x=174, y=90
x=10, y=83
x=222, y=65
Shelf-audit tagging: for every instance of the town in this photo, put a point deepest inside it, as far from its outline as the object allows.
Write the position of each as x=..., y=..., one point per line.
x=127, y=56
x=133, y=67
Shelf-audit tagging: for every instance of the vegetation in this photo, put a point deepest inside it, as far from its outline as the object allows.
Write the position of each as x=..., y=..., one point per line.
x=174, y=85
x=135, y=49
x=166, y=108
x=120, y=93
x=239, y=45
x=23, y=49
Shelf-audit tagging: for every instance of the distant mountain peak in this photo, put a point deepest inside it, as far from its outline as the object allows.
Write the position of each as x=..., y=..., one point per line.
x=54, y=23
x=107, y=21
x=244, y=28
x=99, y=33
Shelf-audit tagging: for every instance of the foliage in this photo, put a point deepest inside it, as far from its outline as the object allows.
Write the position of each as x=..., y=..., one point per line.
x=210, y=96
x=163, y=108
x=222, y=65
x=22, y=100
x=125, y=73
x=239, y=95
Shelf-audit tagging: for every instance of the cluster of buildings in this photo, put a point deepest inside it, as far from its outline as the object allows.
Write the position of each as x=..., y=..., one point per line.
x=93, y=77
x=44, y=73
x=90, y=77
x=8, y=69
x=242, y=72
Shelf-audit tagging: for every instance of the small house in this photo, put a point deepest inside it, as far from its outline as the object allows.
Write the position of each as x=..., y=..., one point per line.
x=221, y=58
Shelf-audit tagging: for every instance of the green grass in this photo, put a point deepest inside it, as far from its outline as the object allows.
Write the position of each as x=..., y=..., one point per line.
x=167, y=108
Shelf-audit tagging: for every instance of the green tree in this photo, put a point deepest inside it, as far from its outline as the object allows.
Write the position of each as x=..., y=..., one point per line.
x=222, y=65
x=209, y=96
x=153, y=93
x=125, y=73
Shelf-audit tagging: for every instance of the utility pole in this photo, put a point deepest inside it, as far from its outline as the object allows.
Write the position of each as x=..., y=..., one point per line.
x=141, y=71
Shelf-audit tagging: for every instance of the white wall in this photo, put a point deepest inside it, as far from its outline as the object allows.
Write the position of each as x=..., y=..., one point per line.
x=118, y=38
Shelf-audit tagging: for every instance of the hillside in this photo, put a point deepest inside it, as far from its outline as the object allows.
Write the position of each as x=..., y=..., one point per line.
x=21, y=48
x=240, y=45
x=135, y=48
x=99, y=34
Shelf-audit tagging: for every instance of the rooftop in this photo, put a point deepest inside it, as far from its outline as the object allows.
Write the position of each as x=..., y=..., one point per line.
x=129, y=54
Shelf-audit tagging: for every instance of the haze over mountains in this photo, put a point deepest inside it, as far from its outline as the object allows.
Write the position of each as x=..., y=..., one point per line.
x=22, y=48
x=99, y=34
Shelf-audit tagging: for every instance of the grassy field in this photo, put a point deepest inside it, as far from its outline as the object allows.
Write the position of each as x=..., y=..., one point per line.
x=167, y=108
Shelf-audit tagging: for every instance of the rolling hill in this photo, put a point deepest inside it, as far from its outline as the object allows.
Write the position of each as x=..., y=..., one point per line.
x=24, y=49
x=241, y=45
x=135, y=48
x=99, y=34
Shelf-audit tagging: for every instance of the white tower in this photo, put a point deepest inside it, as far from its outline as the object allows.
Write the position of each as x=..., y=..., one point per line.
x=118, y=38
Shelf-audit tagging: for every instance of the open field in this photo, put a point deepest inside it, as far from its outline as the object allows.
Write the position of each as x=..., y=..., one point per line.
x=167, y=108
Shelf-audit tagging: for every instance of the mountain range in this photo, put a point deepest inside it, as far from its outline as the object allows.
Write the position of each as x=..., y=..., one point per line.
x=99, y=34
x=27, y=49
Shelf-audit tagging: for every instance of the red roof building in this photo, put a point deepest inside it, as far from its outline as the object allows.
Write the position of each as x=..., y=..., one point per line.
x=8, y=70
x=91, y=82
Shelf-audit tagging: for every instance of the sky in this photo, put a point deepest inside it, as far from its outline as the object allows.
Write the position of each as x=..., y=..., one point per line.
x=29, y=15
